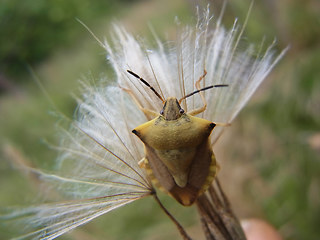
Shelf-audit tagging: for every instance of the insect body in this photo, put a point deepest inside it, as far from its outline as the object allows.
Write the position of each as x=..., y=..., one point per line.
x=178, y=157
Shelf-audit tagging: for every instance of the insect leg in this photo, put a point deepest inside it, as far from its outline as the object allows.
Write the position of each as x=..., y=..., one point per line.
x=147, y=112
x=203, y=108
x=142, y=163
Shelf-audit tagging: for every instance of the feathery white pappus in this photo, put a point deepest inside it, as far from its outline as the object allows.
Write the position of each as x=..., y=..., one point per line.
x=98, y=167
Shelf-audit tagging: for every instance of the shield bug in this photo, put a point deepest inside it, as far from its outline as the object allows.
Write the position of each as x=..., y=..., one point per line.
x=178, y=155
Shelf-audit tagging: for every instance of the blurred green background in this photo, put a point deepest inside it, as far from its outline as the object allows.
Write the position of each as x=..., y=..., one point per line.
x=269, y=156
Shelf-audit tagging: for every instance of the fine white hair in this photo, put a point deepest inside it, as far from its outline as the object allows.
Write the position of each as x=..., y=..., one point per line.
x=98, y=167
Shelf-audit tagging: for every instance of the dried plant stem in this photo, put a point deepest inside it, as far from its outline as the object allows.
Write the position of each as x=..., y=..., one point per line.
x=183, y=233
x=217, y=218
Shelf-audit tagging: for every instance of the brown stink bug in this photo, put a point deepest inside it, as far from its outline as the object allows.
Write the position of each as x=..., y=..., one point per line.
x=178, y=156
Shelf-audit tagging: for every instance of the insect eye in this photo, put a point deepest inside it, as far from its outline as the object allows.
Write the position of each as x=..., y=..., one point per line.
x=181, y=111
x=161, y=112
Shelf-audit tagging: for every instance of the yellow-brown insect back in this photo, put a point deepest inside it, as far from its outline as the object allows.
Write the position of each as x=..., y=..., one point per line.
x=178, y=154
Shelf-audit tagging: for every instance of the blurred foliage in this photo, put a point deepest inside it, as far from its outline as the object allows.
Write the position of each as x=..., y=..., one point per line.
x=31, y=30
x=273, y=134
x=292, y=169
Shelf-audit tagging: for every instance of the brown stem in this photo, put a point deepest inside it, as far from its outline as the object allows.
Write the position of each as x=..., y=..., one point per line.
x=218, y=220
x=180, y=228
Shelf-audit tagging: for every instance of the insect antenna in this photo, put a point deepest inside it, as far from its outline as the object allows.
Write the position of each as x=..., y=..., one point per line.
x=146, y=83
x=202, y=89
